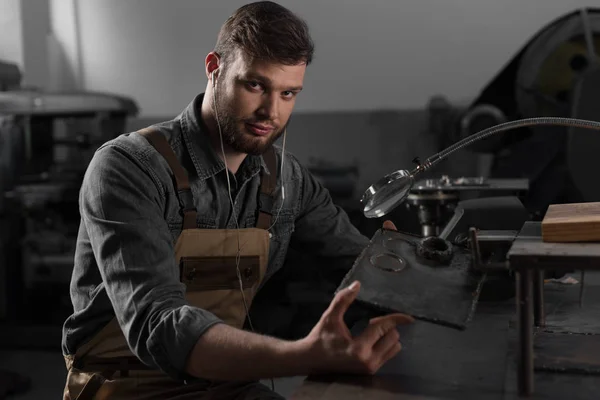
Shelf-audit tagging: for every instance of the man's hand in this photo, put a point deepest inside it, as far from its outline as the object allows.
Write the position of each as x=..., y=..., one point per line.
x=335, y=350
x=224, y=352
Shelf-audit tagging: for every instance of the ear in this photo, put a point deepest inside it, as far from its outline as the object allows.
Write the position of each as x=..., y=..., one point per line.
x=211, y=64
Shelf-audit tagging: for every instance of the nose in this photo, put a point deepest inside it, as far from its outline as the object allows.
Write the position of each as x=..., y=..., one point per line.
x=269, y=108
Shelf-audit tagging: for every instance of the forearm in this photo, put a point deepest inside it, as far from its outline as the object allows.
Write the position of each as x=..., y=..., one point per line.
x=227, y=353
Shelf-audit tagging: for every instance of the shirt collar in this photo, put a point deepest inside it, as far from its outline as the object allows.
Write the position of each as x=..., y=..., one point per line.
x=205, y=159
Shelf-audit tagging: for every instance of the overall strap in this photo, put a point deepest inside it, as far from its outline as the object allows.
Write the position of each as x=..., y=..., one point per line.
x=267, y=187
x=184, y=193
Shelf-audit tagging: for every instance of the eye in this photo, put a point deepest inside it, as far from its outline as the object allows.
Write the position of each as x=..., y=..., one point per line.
x=254, y=85
x=288, y=94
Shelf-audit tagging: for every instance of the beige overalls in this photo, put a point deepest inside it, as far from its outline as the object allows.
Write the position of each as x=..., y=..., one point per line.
x=105, y=367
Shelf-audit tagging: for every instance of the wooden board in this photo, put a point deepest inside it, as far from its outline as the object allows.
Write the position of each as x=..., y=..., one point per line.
x=577, y=222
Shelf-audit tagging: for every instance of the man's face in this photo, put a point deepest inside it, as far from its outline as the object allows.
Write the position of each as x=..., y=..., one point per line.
x=255, y=100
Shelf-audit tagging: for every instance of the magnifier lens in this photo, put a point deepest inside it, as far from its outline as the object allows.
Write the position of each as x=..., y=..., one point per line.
x=387, y=193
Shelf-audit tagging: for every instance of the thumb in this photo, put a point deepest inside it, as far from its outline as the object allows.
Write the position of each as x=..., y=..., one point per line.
x=342, y=300
x=389, y=225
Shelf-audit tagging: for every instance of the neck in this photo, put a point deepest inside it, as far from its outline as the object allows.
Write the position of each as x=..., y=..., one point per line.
x=232, y=158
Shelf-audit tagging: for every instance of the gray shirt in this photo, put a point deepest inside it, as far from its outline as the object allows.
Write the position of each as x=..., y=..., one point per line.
x=130, y=221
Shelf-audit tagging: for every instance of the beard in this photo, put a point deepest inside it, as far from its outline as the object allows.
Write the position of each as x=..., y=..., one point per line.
x=236, y=136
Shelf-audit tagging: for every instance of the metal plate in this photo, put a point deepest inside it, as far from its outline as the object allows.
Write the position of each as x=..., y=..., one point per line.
x=393, y=278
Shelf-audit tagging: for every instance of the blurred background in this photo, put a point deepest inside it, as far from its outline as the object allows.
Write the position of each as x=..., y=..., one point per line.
x=391, y=81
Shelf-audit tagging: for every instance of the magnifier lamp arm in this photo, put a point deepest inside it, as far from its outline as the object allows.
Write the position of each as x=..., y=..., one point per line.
x=555, y=121
x=390, y=191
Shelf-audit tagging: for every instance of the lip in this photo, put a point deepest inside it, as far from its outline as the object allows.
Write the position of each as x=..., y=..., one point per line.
x=259, y=129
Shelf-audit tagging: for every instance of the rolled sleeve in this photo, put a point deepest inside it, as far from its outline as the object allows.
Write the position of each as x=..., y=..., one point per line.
x=122, y=207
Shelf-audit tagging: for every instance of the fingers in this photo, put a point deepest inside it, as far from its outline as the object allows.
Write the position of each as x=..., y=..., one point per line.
x=384, y=349
x=342, y=300
x=379, y=327
x=389, y=225
x=392, y=352
x=386, y=343
x=401, y=318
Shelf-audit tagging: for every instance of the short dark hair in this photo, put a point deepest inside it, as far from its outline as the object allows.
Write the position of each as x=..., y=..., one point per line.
x=268, y=31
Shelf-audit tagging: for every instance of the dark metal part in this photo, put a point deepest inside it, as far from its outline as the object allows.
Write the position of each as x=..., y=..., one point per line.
x=434, y=198
x=444, y=294
x=539, y=316
x=496, y=239
x=505, y=213
x=464, y=184
x=431, y=207
x=475, y=252
x=582, y=288
x=436, y=249
x=525, y=327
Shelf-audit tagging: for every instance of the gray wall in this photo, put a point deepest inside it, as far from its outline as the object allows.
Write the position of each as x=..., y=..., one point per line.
x=24, y=29
x=11, y=42
x=377, y=62
x=370, y=55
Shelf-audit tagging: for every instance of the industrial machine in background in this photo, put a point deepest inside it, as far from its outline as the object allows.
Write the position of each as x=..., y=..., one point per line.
x=435, y=200
x=10, y=76
x=498, y=237
x=46, y=143
x=555, y=74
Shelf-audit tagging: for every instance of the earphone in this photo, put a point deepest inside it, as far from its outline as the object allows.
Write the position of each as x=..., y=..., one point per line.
x=238, y=255
x=212, y=79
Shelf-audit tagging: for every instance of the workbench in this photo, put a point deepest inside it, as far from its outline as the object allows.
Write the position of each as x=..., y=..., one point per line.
x=482, y=362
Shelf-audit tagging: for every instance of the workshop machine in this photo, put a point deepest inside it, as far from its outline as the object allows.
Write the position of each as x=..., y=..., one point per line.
x=46, y=142
x=435, y=200
x=438, y=277
x=555, y=74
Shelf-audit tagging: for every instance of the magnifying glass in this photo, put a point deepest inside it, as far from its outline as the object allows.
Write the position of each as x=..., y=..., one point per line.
x=390, y=191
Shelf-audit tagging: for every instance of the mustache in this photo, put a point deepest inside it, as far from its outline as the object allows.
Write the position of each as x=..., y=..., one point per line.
x=260, y=122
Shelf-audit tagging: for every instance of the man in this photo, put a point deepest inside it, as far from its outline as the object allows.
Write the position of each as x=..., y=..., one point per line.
x=182, y=223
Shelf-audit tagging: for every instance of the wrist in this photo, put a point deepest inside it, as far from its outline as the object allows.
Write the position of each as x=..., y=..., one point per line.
x=304, y=355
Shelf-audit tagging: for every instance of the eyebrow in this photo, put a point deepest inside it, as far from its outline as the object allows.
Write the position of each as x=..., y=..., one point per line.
x=268, y=81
